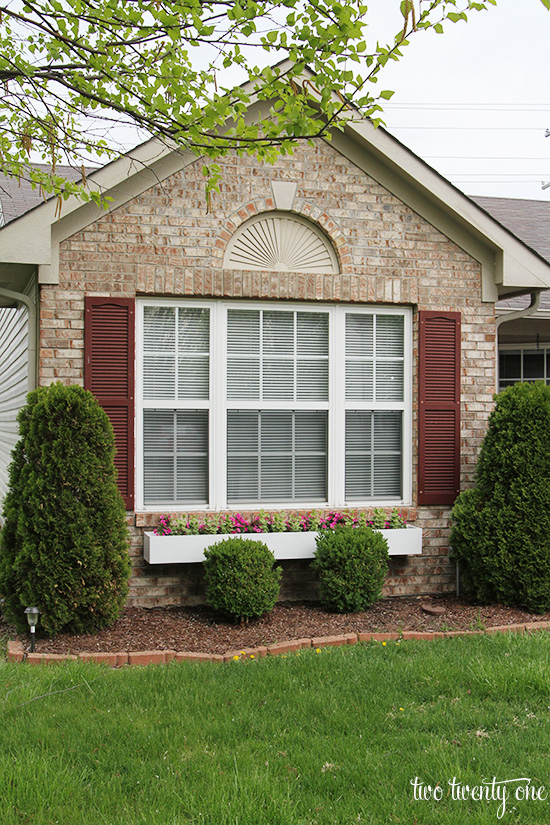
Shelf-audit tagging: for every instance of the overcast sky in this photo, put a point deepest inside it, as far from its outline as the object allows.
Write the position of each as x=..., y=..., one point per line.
x=479, y=97
x=473, y=102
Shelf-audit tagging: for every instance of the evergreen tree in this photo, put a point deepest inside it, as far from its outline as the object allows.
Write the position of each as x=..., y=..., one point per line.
x=501, y=530
x=64, y=544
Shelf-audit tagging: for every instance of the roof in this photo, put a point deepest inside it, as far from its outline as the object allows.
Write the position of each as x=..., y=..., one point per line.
x=508, y=265
x=529, y=220
x=18, y=197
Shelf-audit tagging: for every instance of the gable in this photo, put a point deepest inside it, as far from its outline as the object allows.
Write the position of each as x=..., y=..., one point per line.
x=507, y=264
x=169, y=243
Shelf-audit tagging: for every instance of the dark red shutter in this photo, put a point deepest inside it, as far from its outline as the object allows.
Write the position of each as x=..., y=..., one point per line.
x=109, y=334
x=439, y=407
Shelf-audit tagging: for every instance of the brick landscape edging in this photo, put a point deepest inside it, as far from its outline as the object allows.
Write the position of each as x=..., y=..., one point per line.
x=160, y=657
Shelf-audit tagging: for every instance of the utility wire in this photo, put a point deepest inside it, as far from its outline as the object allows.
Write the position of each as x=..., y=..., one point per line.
x=475, y=128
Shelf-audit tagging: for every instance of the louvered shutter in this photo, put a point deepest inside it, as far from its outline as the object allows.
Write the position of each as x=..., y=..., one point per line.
x=439, y=407
x=109, y=374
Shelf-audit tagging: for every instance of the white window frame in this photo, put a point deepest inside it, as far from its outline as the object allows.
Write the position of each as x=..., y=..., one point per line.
x=543, y=348
x=218, y=404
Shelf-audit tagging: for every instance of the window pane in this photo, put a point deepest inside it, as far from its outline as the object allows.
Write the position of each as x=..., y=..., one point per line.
x=278, y=333
x=510, y=365
x=359, y=357
x=243, y=331
x=276, y=478
x=193, y=353
x=159, y=376
x=387, y=476
x=312, y=333
x=389, y=381
x=276, y=455
x=278, y=379
x=533, y=366
x=243, y=478
x=243, y=378
x=175, y=456
x=390, y=340
x=312, y=380
x=359, y=380
x=359, y=335
x=373, y=454
x=159, y=329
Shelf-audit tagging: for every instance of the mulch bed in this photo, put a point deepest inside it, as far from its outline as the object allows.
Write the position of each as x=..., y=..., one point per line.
x=199, y=629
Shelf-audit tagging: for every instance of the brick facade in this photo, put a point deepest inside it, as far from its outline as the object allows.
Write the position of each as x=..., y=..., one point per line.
x=165, y=242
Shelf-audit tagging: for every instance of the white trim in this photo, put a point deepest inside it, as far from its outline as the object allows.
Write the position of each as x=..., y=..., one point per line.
x=219, y=404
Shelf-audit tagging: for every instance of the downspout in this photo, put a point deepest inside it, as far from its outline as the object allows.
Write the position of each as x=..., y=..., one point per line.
x=521, y=313
x=511, y=316
x=31, y=308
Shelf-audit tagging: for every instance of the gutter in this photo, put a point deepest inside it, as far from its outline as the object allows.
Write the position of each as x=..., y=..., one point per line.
x=19, y=298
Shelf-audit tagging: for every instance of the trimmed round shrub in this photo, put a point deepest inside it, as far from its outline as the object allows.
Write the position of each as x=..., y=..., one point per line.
x=501, y=528
x=64, y=544
x=352, y=563
x=241, y=579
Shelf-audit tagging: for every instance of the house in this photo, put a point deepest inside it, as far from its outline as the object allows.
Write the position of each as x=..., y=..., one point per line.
x=325, y=336
x=524, y=341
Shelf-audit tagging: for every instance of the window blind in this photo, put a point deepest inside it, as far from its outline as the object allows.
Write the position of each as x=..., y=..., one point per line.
x=275, y=455
x=373, y=454
x=375, y=354
x=176, y=353
x=175, y=451
x=277, y=355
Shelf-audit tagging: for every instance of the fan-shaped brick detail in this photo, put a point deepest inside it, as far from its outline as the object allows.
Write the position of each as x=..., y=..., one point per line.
x=280, y=242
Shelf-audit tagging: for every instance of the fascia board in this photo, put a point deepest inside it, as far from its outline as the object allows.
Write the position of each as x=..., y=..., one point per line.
x=33, y=238
x=505, y=260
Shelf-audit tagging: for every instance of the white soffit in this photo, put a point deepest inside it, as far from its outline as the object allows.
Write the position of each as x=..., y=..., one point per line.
x=281, y=242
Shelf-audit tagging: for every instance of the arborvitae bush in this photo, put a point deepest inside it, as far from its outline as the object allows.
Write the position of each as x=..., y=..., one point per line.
x=352, y=563
x=241, y=579
x=64, y=544
x=501, y=528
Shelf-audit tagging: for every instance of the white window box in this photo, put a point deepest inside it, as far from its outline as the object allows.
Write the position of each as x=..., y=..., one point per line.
x=406, y=541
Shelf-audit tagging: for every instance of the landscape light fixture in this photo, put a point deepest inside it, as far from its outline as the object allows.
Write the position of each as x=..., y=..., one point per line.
x=32, y=618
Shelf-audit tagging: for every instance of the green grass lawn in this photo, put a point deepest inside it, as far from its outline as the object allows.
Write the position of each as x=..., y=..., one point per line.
x=335, y=736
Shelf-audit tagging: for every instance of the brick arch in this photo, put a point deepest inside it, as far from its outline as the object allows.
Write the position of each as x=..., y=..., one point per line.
x=301, y=207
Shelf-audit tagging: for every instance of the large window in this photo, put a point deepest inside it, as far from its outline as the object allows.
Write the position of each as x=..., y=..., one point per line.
x=272, y=405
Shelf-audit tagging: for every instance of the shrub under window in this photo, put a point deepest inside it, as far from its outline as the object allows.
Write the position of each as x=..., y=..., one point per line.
x=352, y=563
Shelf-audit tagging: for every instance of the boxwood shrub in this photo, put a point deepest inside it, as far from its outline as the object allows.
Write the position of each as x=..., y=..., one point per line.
x=501, y=527
x=64, y=544
x=241, y=578
x=352, y=563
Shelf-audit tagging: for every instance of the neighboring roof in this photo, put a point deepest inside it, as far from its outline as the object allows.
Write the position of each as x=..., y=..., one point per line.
x=529, y=220
x=17, y=195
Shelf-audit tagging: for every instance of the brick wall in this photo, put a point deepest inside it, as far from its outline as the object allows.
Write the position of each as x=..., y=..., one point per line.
x=165, y=242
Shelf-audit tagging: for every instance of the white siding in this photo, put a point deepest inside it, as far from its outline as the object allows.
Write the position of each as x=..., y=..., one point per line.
x=13, y=381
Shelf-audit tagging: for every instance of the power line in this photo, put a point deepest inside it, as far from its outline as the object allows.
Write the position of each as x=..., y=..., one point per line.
x=496, y=174
x=475, y=128
x=482, y=157
x=493, y=107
